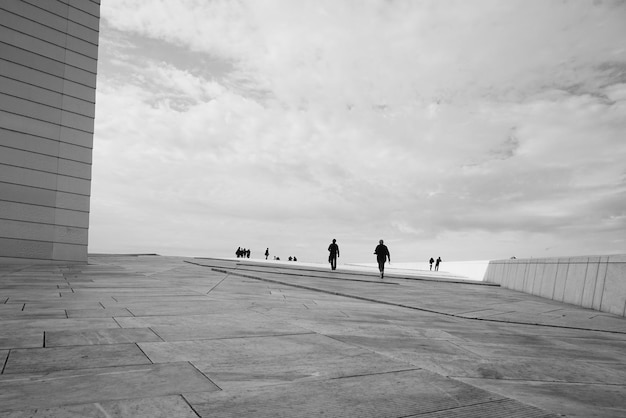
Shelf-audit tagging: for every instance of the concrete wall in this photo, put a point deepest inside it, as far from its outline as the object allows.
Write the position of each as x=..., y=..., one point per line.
x=596, y=282
x=48, y=58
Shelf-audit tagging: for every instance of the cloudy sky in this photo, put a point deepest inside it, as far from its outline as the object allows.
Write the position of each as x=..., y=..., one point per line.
x=469, y=130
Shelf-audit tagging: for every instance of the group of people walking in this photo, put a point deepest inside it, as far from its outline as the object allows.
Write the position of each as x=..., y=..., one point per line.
x=382, y=256
x=431, y=261
x=381, y=251
x=243, y=253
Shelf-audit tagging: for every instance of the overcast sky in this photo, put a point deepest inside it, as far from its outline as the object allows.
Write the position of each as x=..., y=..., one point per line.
x=469, y=130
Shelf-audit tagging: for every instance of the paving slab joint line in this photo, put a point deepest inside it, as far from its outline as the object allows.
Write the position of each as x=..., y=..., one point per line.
x=143, y=352
x=203, y=374
x=560, y=382
x=157, y=334
x=182, y=395
x=6, y=360
x=378, y=374
x=407, y=306
x=219, y=283
x=289, y=334
x=118, y=324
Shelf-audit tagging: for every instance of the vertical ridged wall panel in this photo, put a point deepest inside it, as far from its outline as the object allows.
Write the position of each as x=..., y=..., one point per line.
x=595, y=282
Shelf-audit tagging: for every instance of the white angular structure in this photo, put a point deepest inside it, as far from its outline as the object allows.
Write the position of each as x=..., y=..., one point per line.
x=594, y=282
x=48, y=62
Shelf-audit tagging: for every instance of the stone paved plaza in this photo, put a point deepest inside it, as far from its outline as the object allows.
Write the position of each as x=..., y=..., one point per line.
x=152, y=336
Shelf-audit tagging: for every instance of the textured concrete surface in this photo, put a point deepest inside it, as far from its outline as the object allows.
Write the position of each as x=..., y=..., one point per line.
x=150, y=336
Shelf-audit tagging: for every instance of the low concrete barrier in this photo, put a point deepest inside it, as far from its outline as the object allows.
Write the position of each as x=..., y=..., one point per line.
x=596, y=282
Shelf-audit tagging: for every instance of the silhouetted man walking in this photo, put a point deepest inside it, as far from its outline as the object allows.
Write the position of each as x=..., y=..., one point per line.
x=382, y=255
x=437, y=263
x=333, y=248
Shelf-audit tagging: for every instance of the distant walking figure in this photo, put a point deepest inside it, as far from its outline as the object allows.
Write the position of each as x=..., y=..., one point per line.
x=437, y=263
x=333, y=249
x=431, y=261
x=382, y=255
x=267, y=253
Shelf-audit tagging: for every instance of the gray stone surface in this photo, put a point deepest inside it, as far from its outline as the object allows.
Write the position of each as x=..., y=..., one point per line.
x=160, y=407
x=400, y=394
x=149, y=336
x=101, y=312
x=69, y=387
x=39, y=360
x=10, y=338
x=258, y=361
x=99, y=336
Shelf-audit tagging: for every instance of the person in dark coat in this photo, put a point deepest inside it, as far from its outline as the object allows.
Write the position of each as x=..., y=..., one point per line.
x=382, y=255
x=437, y=263
x=267, y=253
x=431, y=261
x=333, y=249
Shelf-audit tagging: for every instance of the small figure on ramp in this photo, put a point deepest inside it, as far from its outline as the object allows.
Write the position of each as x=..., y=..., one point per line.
x=382, y=255
x=333, y=249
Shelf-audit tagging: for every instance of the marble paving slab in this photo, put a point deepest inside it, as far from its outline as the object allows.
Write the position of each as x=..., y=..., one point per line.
x=521, y=369
x=100, y=336
x=17, y=326
x=130, y=300
x=44, y=360
x=24, y=391
x=195, y=327
x=173, y=406
x=98, y=313
x=21, y=339
x=507, y=350
x=69, y=304
x=398, y=394
x=199, y=307
x=571, y=400
x=34, y=314
x=415, y=345
x=35, y=296
x=258, y=361
x=6, y=308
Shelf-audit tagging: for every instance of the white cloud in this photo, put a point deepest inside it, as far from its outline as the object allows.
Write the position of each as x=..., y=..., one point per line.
x=427, y=123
